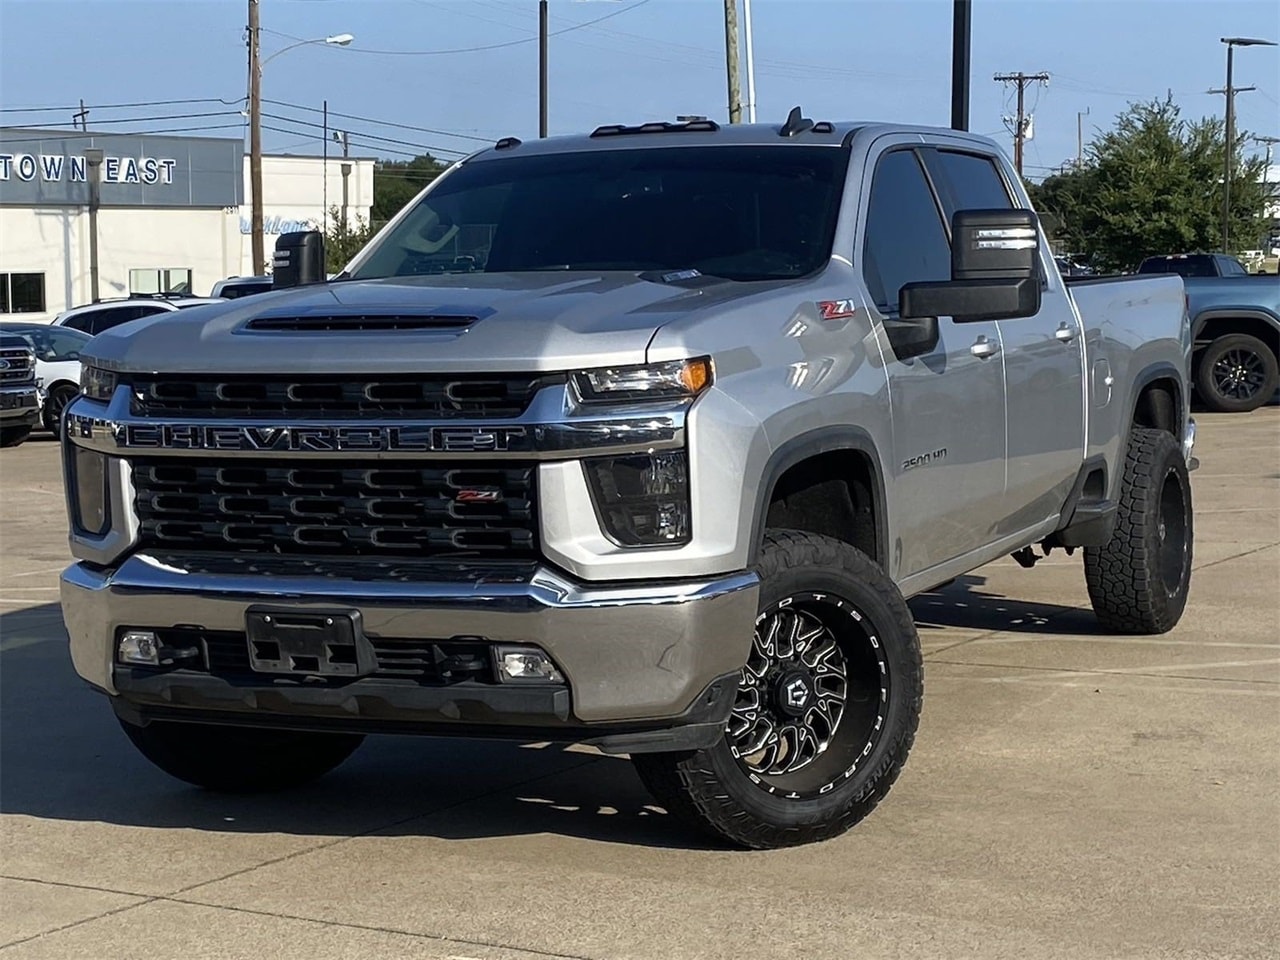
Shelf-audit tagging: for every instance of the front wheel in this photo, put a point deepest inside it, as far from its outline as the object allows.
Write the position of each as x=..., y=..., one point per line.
x=56, y=402
x=240, y=759
x=826, y=709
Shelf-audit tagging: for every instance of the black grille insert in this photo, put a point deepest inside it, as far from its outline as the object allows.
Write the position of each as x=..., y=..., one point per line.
x=335, y=509
x=226, y=654
x=329, y=396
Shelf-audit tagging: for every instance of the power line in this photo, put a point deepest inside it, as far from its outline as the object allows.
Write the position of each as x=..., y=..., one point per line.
x=120, y=106
x=159, y=119
x=366, y=136
x=380, y=123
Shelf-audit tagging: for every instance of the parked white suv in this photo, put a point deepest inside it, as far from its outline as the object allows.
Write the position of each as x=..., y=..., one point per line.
x=233, y=288
x=57, y=354
x=93, y=318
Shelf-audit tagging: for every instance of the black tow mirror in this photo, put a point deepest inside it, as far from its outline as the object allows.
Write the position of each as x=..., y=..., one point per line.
x=995, y=270
x=298, y=260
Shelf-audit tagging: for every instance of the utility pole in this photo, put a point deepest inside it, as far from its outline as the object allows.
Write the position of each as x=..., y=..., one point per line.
x=751, y=68
x=1229, y=149
x=1020, y=130
x=1080, y=115
x=255, y=141
x=1269, y=142
x=961, y=27
x=731, y=59
x=542, y=68
x=94, y=157
x=81, y=119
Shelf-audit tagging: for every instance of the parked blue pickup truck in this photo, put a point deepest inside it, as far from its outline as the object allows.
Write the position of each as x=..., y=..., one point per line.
x=1235, y=322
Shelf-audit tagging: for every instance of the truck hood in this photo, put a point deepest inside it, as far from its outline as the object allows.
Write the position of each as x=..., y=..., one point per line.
x=526, y=321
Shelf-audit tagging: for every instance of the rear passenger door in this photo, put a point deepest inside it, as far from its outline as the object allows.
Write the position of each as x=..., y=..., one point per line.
x=946, y=478
x=1042, y=360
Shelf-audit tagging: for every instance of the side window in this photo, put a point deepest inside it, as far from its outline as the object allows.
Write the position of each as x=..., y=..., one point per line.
x=974, y=181
x=905, y=239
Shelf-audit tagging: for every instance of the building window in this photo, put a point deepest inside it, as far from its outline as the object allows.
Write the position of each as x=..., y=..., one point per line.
x=21, y=293
x=160, y=280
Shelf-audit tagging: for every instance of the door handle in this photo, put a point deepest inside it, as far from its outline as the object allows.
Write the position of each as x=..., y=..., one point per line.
x=984, y=349
x=1064, y=333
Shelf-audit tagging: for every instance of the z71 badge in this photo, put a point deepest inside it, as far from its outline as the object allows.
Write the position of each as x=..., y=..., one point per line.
x=836, y=309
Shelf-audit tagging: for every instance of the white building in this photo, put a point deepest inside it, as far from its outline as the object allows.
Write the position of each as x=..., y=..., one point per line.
x=173, y=216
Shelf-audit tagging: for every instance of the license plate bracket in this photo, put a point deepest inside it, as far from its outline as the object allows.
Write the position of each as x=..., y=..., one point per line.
x=315, y=643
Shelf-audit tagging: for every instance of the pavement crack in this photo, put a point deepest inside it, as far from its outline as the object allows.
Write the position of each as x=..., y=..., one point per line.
x=1236, y=556
x=1076, y=671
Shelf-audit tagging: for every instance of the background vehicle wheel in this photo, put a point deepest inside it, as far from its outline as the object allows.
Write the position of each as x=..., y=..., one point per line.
x=240, y=759
x=826, y=709
x=13, y=436
x=1236, y=373
x=56, y=402
x=1138, y=582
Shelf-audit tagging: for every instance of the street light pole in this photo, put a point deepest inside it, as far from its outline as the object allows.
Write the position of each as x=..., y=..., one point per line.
x=255, y=141
x=751, y=61
x=94, y=157
x=542, y=68
x=1229, y=140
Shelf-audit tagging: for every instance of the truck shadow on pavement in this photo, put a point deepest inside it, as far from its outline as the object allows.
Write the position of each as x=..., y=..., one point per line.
x=964, y=605
x=64, y=758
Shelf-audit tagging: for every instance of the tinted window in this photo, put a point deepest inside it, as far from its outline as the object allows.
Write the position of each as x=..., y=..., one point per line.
x=746, y=213
x=1231, y=267
x=53, y=343
x=974, y=180
x=235, y=291
x=905, y=240
x=1197, y=266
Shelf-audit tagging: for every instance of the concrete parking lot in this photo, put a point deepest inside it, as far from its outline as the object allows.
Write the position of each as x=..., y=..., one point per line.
x=1070, y=794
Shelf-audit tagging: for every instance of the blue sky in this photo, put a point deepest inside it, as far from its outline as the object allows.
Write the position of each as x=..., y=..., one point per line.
x=840, y=59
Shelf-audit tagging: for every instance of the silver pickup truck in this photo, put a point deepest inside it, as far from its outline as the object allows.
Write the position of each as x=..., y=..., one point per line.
x=639, y=438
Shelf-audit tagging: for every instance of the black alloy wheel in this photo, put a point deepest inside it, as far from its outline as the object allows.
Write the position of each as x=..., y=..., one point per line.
x=1236, y=373
x=54, y=406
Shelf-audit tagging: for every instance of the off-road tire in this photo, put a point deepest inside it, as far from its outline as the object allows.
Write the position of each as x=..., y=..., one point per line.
x=714, y=791
x=1256, y=386
x=1138, y=581
x=240, y=759
x=14, y=436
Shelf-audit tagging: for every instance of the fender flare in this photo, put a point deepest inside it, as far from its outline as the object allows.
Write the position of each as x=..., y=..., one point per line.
x=1160, y=370
x=811, y=444
x=1204, y=317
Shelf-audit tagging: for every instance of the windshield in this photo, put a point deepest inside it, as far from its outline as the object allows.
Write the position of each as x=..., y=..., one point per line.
x=52, y=344
x=744, y=213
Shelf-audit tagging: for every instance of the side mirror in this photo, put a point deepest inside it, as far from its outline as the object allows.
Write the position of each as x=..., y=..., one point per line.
x=298, y=260
x=995, y=270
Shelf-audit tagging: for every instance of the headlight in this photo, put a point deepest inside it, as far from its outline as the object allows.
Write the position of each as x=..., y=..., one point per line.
x=675, y=380
x=642, y=501
x=97, y=383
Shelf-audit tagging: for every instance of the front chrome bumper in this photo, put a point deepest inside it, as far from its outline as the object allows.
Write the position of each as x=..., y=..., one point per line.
x=642, y=652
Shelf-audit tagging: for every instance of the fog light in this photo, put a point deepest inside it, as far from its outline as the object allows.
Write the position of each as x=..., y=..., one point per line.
x=139, y=646
x=526, y=664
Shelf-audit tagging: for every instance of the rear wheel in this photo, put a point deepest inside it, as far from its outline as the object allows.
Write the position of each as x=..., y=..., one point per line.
x=13, y=436
x=1138, y=582
x=240, y=759
x=826, y=709
x=1236, y=373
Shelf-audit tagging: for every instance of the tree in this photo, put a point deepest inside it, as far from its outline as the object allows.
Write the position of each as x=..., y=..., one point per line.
x=345, y=239
x=396, y=182
x=1151, y=185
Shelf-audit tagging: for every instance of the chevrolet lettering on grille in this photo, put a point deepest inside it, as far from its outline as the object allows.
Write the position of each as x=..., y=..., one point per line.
x=318, y=439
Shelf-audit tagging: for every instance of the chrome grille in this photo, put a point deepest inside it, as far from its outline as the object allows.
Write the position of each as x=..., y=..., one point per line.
x=331, y=508
x=17, y=365
x=327, y=396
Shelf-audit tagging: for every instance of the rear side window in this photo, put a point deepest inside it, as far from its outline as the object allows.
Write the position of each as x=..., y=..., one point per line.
x=905, y=239
x=973, y=181
x=1232, y=267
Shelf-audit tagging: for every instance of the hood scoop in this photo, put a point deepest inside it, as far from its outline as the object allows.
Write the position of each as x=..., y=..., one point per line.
x=356, y=321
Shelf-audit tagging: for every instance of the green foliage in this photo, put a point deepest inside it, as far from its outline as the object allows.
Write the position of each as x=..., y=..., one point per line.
x=344, y=239
x=1153, y=185
x=396, y=182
